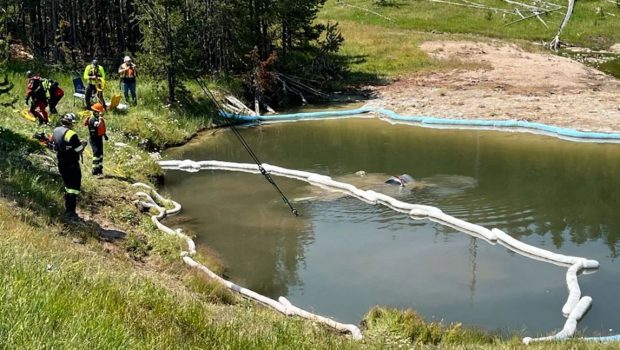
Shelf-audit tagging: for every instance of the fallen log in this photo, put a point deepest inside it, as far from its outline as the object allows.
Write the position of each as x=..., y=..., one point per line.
x=555, y=43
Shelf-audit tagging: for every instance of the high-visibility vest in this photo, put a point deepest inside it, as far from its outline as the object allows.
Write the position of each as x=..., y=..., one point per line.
x=47, y=85
x=130, y=72
x=96, y=71
x=62, y=144
x=98, y=130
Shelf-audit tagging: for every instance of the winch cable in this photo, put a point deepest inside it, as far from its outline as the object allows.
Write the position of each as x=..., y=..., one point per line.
x=247, y=147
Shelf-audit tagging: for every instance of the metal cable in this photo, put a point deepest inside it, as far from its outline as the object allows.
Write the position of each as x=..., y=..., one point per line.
x=247, y=147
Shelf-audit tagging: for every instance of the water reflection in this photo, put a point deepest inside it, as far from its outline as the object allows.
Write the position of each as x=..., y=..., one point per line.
x=342, y=256
x=260, y=244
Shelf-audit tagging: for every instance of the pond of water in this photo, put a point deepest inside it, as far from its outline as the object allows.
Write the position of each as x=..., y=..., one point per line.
x=342, y=256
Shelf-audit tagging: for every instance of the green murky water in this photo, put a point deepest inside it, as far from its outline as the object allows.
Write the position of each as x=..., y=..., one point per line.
x=611, y=67
x=605, y=62
x=343, y=256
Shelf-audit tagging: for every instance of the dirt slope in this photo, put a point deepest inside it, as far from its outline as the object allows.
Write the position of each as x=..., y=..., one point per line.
x=513, y=84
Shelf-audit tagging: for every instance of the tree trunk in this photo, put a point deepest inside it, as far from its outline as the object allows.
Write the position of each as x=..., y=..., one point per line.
x=54, y=30
x=170, y=67
x=555, y=43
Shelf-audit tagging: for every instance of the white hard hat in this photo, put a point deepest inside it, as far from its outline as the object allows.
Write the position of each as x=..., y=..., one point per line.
x=68, y=119
x=126, y=59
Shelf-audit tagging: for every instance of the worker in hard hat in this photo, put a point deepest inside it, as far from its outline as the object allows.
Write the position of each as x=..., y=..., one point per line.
x=97, y=132
x=69, y=149
x=128, y=73
x=94, y=75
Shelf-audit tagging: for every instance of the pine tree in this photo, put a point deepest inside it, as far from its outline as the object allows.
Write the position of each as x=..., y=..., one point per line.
x=172, y=39
x=163, y=23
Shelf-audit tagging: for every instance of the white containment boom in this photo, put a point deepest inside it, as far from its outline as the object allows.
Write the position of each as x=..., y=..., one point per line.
x=574, y=308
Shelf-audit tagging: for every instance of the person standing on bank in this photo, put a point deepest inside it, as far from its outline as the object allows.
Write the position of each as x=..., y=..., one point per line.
x=69, y=149
x=94, y=75
x=97, y=131
x=127, y=71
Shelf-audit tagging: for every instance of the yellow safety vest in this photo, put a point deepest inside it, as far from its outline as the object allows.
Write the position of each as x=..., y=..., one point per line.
x=47, y=84
x=90, y=70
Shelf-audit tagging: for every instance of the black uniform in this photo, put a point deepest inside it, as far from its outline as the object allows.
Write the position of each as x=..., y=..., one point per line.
x=96, y=142
x=69, y=148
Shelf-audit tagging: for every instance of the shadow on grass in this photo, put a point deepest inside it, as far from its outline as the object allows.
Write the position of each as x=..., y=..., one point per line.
x=23, y=181
x=87, y=226
x=390, y=3
x=193, y=107
x=354, y=79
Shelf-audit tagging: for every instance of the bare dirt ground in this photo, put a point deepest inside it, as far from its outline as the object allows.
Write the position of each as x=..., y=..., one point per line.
x=513, y=84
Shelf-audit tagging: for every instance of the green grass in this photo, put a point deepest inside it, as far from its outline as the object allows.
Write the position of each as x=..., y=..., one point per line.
x=378, y=49
x=389, y=328
x=585, y=28
x=376, y=53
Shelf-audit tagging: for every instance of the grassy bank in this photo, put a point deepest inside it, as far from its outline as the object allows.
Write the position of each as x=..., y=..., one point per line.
x=376, y=53
x=57, y=294
x=382, y=48
x=68, y=285
x=113, y=280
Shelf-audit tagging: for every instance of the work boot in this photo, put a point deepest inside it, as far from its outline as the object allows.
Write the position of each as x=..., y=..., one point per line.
x=70, y=203
x=72, y=216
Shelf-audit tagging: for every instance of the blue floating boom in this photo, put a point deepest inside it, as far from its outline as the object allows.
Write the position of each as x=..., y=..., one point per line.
x=436, y=122
x=603, y=339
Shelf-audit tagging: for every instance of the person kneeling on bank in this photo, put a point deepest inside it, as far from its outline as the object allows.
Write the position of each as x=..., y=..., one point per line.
x=35, y=92
x=97, y=132
x=69, y=149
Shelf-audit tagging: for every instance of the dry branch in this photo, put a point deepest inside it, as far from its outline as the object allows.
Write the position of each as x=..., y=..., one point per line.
x=294, y=84
x=555, y=43
x=531, y=16
x=531, y=7
x=495, y=9
x=237, y=106
x=537, y=14
x=342, y=3
x=519, y=13
x=474, y=3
